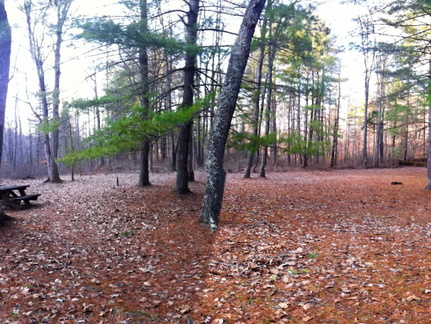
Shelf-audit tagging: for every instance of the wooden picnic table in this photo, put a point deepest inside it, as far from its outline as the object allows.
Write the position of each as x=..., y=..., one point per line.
x=13, y=195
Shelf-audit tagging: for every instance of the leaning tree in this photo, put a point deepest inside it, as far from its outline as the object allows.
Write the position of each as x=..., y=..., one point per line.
x=226, y=106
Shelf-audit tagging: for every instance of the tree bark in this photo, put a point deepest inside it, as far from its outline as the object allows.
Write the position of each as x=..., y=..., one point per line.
x=334, y=153
x=428, y=186
x=366, y=28
x=190, y=167
x=5, y=48
x=213, y=197
x=256, y=104
x=183, y=172
x=144, y=165
x=144, y=170
x=365, y=139
x=38, y=59
x=62, y=12
x=379, y=148
x=268, y=107
x=306, y=112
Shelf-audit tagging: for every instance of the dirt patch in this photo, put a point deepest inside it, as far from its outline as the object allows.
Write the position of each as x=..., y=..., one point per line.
x=344, y=246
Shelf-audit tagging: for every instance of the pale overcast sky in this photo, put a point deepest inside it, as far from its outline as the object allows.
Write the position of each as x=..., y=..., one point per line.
x=338, y=17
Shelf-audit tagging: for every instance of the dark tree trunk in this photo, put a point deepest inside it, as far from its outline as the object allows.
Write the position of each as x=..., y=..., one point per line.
x=53, y=174
x=144, y=170
x=163, y=148
x=213, y=197
x=183, y=172
x=39, y=60
x=273, y=129
x=190, y=160
x=368, y=52
x=5, y=47
x=365, y=139
x=379, y=147
x=144, y=175
x=62, y=12
x=306, y=113
x=174, y=145
x=334, y=153
x=256, y=104
x=182, y=182
x=268, y=108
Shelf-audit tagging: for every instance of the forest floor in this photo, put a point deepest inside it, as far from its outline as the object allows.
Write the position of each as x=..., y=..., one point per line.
x=342, y=246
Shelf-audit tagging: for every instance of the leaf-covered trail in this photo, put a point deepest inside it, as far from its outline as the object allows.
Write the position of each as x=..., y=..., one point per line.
x=341, y=246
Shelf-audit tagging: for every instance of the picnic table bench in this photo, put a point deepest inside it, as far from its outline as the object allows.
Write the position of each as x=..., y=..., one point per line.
x=13, y=195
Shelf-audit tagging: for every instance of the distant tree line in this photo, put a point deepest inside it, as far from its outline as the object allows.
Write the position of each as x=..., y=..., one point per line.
x=158, y=74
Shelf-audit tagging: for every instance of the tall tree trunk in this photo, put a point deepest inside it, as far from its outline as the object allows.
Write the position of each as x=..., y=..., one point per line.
x=144, y=165
x=366, y=28
x=190, y=159
x=38, y=59
x=273, y=129
x=144, y=170
x=62, y=12
x=183, y=172
x=256, y=104
x=72, y=146
x=306, y=126
x=51, y=164
x=5, y=48
x=52, y=155
x=268, y=109
x=15, y=141
x=298, y=116
x=365, y=139
x=214, y=190
x=334, y=153
x=378, y=149
x=428, y=186
x=199, y=142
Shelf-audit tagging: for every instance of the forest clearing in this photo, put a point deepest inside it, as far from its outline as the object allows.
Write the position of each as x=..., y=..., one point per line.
x=339, y=246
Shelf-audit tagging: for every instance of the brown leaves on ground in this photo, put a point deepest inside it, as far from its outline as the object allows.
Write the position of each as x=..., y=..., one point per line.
x=342, y=246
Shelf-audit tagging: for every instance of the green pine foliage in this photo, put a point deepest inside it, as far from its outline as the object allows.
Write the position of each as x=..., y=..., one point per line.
x=104, y=101
x=48, y=126
x=245, y=141
x=129, y=36
x=127, y=133
x=294, y=143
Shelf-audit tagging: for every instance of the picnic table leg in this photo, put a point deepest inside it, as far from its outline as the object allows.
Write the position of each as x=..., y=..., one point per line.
x=22, y=193
x=4, y=196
